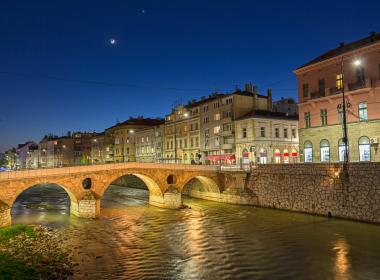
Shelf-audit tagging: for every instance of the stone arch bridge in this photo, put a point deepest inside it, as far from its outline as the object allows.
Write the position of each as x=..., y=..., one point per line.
x=86, y=185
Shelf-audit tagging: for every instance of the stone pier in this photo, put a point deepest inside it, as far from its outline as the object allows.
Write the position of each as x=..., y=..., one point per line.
x=87, y=207
x=5, y=215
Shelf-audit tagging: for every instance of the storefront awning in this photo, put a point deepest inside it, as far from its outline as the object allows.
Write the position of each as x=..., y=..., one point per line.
x=221, y=157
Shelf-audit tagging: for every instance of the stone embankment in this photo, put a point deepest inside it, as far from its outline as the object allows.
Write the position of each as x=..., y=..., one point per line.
x=323, y=189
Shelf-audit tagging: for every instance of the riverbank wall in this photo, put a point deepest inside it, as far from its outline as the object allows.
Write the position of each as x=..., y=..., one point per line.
x=323, y=189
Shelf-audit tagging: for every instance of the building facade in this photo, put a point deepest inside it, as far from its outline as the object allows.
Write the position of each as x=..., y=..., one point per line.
x=285, y=105
x=217, y=115
x=354, y=68
x=149, y=144
x=182, y=135
x=266, y=137
x=124, y=139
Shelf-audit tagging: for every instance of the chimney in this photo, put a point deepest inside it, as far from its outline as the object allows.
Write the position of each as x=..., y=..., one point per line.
x=269, y=100
x=254, y=92
x=248, y=88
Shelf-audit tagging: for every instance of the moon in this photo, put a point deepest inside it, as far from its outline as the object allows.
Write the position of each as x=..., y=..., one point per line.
x=112, y=41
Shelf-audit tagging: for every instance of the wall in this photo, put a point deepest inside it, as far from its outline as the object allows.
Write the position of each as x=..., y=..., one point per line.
x=319, y=189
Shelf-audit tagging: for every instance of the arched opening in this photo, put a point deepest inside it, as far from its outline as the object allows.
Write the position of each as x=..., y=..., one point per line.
x=342, y=149
x=308, y=151
x=201, y=187
x=286, y=156
x=42, y=204
x=134, y=190
x=263, y=156
x=364, y=149
x=325, y=150
x=277, y=156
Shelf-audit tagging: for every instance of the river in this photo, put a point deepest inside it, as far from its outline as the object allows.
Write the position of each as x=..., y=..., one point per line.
x=207, y=240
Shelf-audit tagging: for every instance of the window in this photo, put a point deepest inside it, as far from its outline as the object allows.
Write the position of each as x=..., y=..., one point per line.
x=227, y=127
x=363, y=116
x=227, y=114
x=339, y=81
x=263, y=156
x=325, y=150
x=217, y=116
x=196, y=142
x=285, y=133
x=364, y=149
x=277, y=156
x=342, y=149
x=305, y=90
x=216, y=105
x=191, y=142
x=340, y=115
x=207, y=132
x=185, y=143
x=360, y=75
x=142, y=139
x=205, y=120
x=307, y=120
x=191, y=127
x=321, y=87
x=277, y=132
x=244, y=132
x=205, y=108
x=323, y=117
x=216, y=129
x=294, y=133
x=167, y=145
x=147, y=139
x=308, y=151
x=217, y=141
x=229, y=100
x=262, y=131
x=171, y=144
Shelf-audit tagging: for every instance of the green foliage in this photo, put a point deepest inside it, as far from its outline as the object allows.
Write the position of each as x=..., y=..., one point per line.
x=10, y=232
x=85, y=159
x=13, y=269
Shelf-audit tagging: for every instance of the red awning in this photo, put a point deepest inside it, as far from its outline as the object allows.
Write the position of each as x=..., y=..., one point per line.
x=221, y=157
x=294, y=154
x=277, y=154
x=286, y=154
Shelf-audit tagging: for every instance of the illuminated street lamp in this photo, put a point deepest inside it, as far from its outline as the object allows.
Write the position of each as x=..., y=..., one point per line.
x=344, y=106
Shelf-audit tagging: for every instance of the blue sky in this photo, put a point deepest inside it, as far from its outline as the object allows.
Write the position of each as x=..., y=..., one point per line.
x=166, y=51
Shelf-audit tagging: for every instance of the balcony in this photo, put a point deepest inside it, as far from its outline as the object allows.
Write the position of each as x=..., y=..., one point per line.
x=317, y=94
x=366, y=83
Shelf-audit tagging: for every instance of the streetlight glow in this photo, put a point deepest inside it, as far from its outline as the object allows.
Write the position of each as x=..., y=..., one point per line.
x=186, y=114
x=357, y=62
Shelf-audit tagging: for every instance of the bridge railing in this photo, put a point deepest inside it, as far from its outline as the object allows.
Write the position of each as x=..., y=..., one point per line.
x=101, y=167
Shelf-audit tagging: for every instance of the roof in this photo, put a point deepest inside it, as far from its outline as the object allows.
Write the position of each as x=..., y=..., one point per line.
x=264, y=114
x=214, y=96
x=344, y=48
x=139, y=122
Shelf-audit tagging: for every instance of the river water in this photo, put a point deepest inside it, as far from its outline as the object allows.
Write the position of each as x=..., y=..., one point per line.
x=208, y=240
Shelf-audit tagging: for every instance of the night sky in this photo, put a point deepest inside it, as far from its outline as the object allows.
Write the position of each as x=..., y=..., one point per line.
x=59, y=71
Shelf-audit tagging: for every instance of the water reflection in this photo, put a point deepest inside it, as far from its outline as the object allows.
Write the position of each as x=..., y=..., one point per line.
x=209, y=240
x=342, y=263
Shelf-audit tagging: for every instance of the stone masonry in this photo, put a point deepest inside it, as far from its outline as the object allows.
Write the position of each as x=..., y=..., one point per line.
x=322, y=189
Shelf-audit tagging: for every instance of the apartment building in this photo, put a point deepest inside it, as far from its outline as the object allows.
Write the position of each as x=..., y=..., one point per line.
x=124, y=139
x=354, y=68
x=266, y=137
x=182, y=134
x=149, y=144
x=217, y=115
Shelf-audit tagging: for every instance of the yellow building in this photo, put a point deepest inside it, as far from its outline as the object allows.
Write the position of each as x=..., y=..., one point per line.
x=124, y=140
x=266, y=137
x=182, y=135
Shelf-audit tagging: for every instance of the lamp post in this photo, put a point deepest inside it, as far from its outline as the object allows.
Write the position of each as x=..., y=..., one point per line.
x=344, y=106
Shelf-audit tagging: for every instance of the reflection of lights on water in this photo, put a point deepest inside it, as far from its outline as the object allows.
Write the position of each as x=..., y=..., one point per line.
x=342, y=262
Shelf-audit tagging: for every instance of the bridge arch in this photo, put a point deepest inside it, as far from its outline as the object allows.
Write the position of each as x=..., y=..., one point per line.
x=203, y=187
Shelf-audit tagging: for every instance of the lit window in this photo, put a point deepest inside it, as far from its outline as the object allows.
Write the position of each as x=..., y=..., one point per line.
x=308, y=151
x=325, y=151
x=364, y=149
x=339, y=81
x=216, y=129
x=342, y=149
x=363, y=115
x=217, y=117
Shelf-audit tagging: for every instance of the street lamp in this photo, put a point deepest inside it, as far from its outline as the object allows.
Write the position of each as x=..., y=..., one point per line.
x=344, y=106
